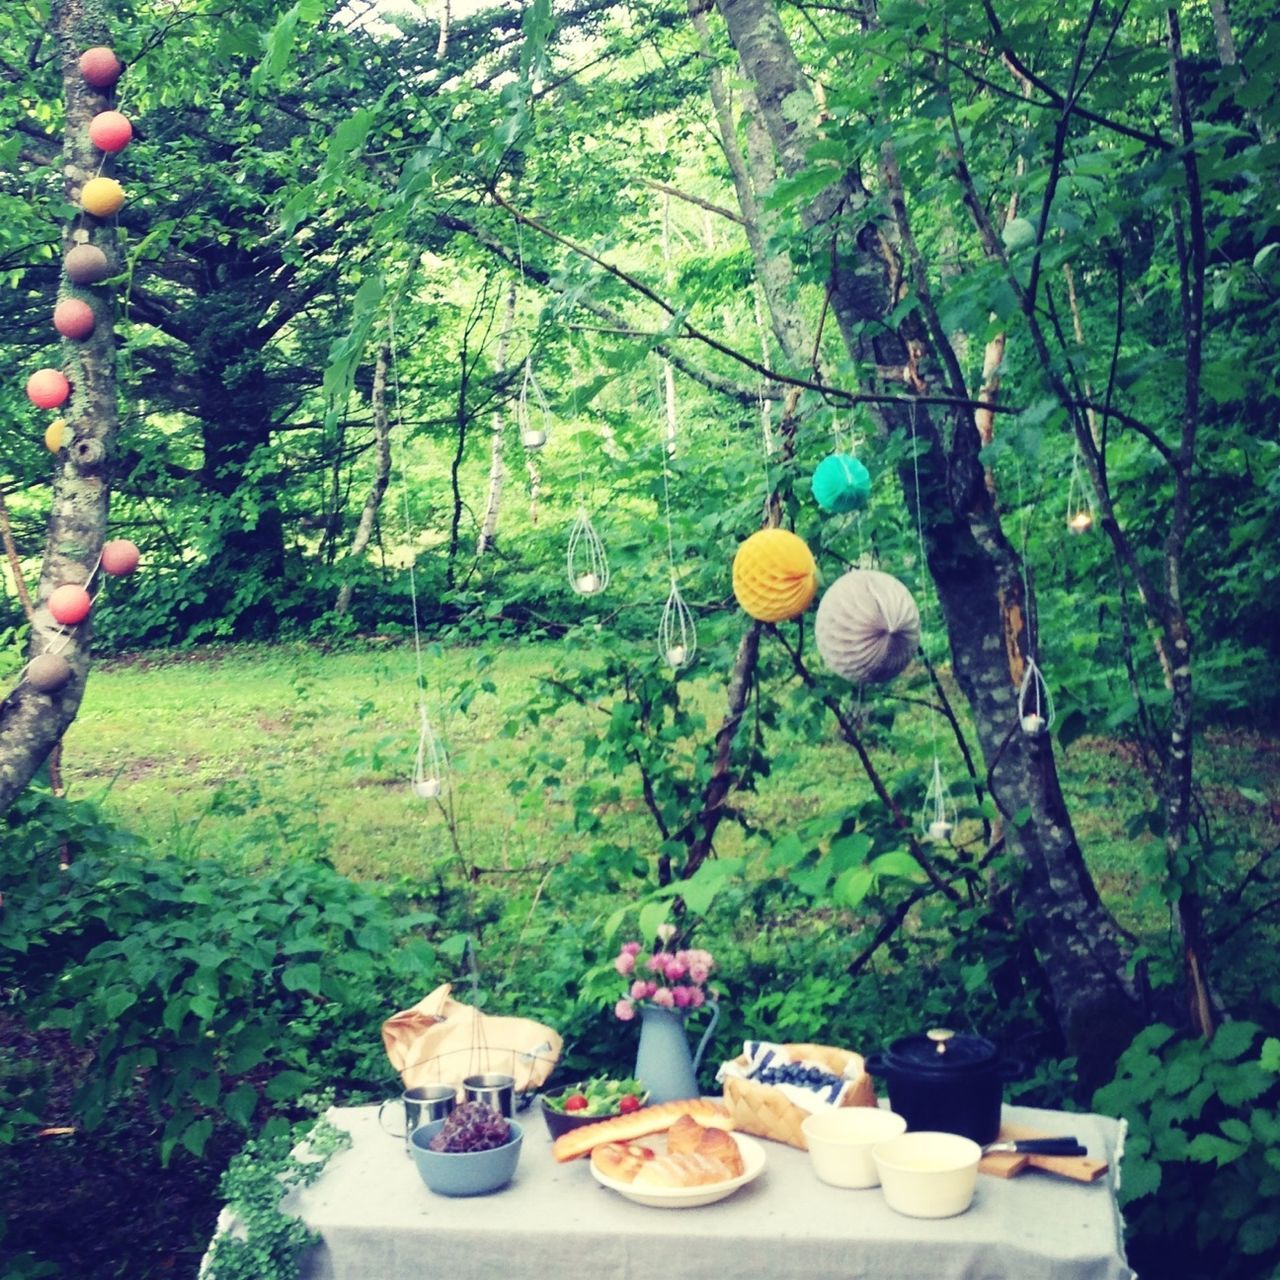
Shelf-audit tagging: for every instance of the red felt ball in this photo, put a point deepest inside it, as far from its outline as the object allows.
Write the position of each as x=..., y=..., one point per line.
x=100, y=67
x=74, y=318
x=69, y=604
x=86, y=264
x=119, y=557
x=110, y=131
x=47, y=388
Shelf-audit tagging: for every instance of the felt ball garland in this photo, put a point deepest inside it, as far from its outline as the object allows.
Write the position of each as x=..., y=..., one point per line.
x=86, y=264
x=99, y=67
x=48, y=672
x=775, y=576
x=73, y=318
x=48, y=388
x=110, y=131
x=70, y=604
x=54, y=434
x=102, y=197
x=868, y=626
x=841, y=484
x=119, y=557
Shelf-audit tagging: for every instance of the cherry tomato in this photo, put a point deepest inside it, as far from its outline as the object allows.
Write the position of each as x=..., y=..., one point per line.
x=629, y=1103
x=576, y=1102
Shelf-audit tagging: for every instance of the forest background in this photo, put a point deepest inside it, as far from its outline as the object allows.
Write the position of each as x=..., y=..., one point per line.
x=1023, y=264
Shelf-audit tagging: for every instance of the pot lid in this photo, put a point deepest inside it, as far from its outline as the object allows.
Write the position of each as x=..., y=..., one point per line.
x=940, y=1050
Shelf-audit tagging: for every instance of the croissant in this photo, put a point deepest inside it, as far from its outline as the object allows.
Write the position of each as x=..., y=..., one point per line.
x=717, y=1144
x=685, y=1170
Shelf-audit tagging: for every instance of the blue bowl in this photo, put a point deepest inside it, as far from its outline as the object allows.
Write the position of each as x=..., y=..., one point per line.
x=464, y=1173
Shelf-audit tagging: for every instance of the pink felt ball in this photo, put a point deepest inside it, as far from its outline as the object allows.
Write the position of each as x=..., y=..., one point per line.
x=74, y=318
x=110, y=131
x=100, y=67
x=70, y=604
x=119, y=557
x=48, y=388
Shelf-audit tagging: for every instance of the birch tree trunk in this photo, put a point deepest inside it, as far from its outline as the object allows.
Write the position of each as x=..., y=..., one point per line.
x=974, y=567
x=497, y=472
x=381, y=472
x=32, y=723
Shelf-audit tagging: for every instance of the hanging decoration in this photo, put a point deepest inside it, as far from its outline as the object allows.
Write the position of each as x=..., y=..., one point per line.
x=1035, y=702
x=677, y=632
x=430, y=763
x=775, y=576
x=868, y=626
x=110, y=131
x=70, y=604
x=48, y=672
x=86, y=264
x=586, y=561
x=100, y=68
x=841, y=484
x=54, y=434
x=102, y=197
x=1079, y=499
x=938, y=818
x=74, y=318
x=119, y=557
x=48, y=388
x=533, y=415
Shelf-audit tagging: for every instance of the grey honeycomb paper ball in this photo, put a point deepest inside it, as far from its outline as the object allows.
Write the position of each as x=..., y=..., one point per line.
x=868, y=626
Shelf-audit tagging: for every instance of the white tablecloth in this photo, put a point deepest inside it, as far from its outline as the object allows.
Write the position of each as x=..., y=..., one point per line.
x=554, y=1222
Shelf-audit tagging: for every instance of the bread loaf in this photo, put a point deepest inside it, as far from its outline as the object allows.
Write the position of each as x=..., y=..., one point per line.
x=721, y=1147
x=689, y=1169
x=685, y=1135
x=639, y=1124
x=621, y=1161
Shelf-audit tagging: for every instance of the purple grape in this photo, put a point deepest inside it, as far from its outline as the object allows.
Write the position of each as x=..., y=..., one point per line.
x=471, y=1127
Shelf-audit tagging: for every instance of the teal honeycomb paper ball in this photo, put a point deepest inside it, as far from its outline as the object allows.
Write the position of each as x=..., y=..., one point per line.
x=841, y=484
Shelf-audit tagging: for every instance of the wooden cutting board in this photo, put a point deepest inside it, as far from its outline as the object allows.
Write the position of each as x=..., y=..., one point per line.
x=1079, y=1168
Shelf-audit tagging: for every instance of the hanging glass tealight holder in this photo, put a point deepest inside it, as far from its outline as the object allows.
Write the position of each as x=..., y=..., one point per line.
x=938, y=818
x=586, y=561
x=533, y=415
x=1079, y=501
x=1035, y=702
x=677, y=633
x=431, y=765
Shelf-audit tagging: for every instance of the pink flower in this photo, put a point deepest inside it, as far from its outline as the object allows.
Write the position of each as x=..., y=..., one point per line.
x=696, y=998
x=624, y=1011
x=682, y=996
x=631, y=948
x=699, y=973
x=699, y=957
x=642, y=990
x=664, y=998
x=658, y=961
x=625, y=963
x=675, y=970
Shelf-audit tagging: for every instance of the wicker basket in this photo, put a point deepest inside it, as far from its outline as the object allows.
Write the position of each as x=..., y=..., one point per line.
x=765, y=1111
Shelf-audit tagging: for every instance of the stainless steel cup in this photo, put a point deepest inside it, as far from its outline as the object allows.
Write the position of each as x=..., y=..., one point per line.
x=496, y=1091
x=422, y=1104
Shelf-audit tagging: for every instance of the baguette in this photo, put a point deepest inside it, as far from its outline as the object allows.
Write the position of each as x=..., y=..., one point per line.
x=639, y=1124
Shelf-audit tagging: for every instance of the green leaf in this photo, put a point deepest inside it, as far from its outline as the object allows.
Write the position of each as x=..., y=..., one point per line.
x=287, y=1085
x=1208, y=1148
x=897, y=863
x=302, y=977
x=852, y=887
x=1232, y=1040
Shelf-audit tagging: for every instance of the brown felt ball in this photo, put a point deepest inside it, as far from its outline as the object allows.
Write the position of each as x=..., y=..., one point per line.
x=119, y=557
x=86, y=264
x=48, y=673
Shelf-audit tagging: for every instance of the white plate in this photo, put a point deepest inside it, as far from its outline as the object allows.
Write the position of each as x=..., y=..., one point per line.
x=692, y=1197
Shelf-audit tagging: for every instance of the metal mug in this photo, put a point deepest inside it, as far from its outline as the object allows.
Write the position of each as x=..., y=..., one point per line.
x=496, y=1091
x=422, y=1104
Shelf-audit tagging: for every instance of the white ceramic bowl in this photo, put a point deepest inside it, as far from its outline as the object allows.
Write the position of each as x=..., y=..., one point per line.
x=928, y=1175
x=840, y=1141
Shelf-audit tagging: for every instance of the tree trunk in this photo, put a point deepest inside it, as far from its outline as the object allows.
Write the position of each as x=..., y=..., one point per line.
x=32, y=723
x=497, y=472
x=975, y=569
x=381, y=472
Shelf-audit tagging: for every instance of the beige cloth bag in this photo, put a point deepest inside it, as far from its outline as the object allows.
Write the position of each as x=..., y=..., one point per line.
x=442, y=1041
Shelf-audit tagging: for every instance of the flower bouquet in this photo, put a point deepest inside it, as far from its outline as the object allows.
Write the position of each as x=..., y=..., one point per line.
x=663, y=977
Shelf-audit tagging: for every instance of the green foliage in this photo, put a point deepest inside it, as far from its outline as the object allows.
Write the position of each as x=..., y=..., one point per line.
x=229, y=994
x=1201, y=1171
x=265, y=1243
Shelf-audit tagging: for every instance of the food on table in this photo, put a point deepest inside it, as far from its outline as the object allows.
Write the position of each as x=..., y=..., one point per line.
x=473, y=1126
x=696, y=1156
x=599, y=1097
x=639, y=1124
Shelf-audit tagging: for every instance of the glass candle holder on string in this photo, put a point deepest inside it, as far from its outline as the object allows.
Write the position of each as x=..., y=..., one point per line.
x=677, y=634
x=1035, y=702
x=1079, y=499
x=938, y=817
x=431, y=765
x=586, y=561
x=533, y=414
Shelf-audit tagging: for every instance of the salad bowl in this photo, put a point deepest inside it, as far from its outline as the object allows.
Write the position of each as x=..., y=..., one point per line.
x=590, y=1101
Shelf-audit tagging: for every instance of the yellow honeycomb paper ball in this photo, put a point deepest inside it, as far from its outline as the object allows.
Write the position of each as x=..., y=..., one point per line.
x=774, y=575
x=102, y=197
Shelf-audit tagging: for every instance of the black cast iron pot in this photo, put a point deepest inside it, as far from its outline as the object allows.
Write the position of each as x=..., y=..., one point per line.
x=946, y=1082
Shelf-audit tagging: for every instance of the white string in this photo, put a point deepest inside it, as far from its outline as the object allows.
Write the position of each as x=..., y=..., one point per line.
x=431, y=752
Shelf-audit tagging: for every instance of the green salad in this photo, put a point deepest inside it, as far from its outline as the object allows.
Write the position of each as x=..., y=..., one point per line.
x=598, y=1097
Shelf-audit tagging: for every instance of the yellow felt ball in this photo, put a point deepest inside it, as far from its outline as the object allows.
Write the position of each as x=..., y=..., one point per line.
x=53, y=434
x=102, y=197
x=774, y=575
